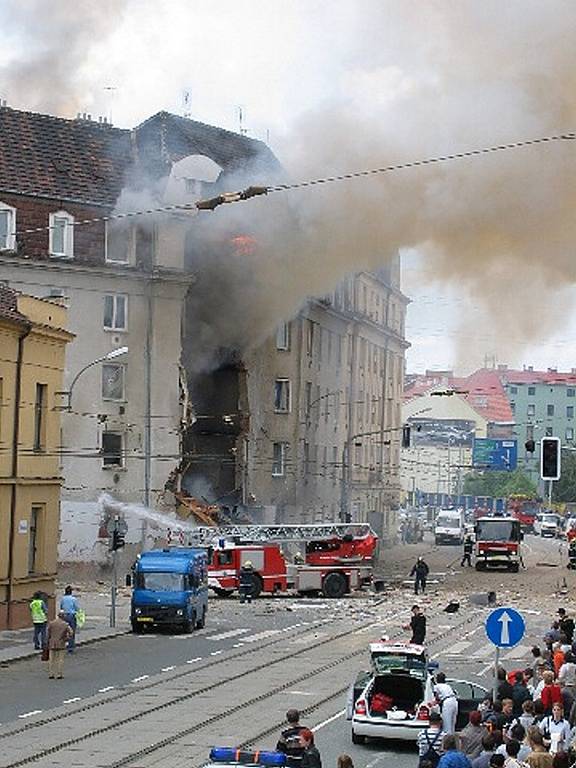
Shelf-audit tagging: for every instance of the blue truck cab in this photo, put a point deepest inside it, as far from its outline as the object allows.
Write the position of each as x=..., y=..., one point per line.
x=170, y=588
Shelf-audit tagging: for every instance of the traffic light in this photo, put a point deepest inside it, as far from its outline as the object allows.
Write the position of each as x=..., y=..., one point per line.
x=530, y=446
x=550, y=458
x=117, y=540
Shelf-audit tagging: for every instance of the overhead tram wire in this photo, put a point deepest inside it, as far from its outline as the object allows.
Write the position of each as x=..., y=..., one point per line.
x=255, y=191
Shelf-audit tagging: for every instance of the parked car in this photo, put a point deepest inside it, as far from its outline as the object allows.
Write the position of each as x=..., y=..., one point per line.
x=394, y=699
x=547, y=524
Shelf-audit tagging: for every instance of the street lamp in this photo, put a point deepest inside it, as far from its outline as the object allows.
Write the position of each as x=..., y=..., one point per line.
x=114, y=353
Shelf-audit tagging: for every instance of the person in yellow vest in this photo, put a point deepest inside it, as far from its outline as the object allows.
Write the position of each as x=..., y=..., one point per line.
x=39, y=613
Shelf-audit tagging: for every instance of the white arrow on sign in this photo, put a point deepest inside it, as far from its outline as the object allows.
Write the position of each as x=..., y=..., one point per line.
x=505, y=620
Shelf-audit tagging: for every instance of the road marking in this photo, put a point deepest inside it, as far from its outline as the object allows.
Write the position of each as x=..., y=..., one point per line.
x=481, y=653
x=292, y=626
x=215, y=653
x=517, y=653
x=486, y=668
x=168, y=669
x=458, y=647
x=237, y=645
x=260, y=636
x=230, y=633
x=71, y=701
x=106, y=689
x=193, y=661
x=29, y=714
x=330, y=720
x=367, y=628
x=139, y=679
x=301, y=693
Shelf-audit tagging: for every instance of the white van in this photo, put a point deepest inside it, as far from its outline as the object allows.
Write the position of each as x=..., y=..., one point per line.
x=547, y=524
x=449, y=527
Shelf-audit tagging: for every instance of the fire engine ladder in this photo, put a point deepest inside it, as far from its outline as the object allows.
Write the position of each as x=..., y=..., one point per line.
x=205, y=535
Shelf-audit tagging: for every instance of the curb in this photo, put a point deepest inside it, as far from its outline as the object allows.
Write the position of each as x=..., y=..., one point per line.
x=88, y=641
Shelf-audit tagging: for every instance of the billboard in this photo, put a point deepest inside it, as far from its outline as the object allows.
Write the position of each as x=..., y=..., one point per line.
x=442, y=432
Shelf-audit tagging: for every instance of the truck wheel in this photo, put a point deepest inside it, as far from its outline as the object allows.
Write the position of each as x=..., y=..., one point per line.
x=137, y=629
x=515, y=567
x=201, y=623
x=357, y=739
x=188, y=625
x=257, y=585
x=223, y=592
x=334, y=585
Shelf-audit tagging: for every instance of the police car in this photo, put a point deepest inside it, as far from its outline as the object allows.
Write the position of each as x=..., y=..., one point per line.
x=394, y=699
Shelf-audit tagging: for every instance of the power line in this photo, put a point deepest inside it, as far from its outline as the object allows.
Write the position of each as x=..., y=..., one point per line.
x=254, y=191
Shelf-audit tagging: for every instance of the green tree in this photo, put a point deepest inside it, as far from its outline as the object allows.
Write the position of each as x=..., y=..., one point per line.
x=565, y=488
x=498, y=484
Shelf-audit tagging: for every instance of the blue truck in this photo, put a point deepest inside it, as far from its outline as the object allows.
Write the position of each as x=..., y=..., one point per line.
x=170, y=589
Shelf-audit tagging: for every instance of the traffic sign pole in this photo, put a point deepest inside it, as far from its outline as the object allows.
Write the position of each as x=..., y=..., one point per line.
x=496, y=668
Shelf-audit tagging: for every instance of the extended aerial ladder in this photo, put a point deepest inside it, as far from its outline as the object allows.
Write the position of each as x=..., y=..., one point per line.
x=258, y=534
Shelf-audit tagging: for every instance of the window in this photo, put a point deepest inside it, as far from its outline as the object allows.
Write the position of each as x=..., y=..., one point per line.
x=309, y=338
x=569, y=433
x=513, y=407
x=282, y=395
x=531, y=410
x=62, y=234
x=513, y=390
x=569, y=411
x=113, y=382
x=33, y=537
x=283, y=336
x=306, y=458
x=118, y=242
x=112, y=453
x=570, y=392
x=115, y=312
x=531, y=391
x=334, y=461
x=549, y=432
x=550, y=410
x=40, y=417
x=7, y=228
x=308, y=398
x=279, y=459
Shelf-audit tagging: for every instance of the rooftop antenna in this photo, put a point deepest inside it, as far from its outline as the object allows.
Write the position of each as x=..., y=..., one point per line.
x=186, y=103
x=241, y=130
x=111, y=92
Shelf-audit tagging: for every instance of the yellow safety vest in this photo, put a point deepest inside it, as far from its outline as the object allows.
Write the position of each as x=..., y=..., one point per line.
x=37, y=611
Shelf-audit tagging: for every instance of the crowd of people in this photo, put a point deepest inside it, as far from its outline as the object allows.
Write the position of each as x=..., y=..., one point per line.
x=529, y=721
x=55, y=637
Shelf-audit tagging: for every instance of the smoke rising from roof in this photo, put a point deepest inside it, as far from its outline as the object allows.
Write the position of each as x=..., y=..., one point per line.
x=55, y=40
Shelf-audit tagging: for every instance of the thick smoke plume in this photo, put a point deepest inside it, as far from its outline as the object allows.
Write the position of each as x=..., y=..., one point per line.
x=55, y=40
x=425, y=79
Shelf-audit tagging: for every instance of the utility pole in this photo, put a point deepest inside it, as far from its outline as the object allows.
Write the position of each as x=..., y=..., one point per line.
x=117, y=529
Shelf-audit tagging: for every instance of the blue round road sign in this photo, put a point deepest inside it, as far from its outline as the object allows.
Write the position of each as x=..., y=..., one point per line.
x=505, y=627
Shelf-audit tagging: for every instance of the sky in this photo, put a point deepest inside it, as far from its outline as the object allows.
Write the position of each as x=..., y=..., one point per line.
x=487, y=244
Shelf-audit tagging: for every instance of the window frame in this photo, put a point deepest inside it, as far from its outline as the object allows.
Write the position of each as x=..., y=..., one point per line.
x=279, y=461
x=283, y=337
x=122, y=463
x=122, y=368
x=569, y=434
x=550, y=410
x=10, y=242
x=531, y=410
x=114, y=328
x=68, y=235
x=37, y=513
x=570, y=392
x=40, y=414
x=278, y=395
x=531, y=391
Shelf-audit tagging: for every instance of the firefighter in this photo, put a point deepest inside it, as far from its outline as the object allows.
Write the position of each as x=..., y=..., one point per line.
x=468, y=549
x=420, y=572
x=246, y=581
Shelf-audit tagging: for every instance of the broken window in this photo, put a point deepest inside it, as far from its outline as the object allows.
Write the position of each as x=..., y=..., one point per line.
x=282, y=395
x=118, y=242
x=113, y=382
x=112, y=453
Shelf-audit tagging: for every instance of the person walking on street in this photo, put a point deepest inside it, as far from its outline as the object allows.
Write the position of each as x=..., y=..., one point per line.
x=310, y=756
x=448, y=702
x=556, y=730
x=246, y=582
x=420, y=572
x=471, y=735
x=289, y=741
x=59, y=633
x=344, y=761
x=468, y=549
x=39, y=613
x=418, y=626
x=69, y=606
x=520, y=693
x=566, y=625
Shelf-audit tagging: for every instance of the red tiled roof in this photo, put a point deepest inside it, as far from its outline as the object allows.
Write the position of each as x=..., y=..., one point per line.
x=509, y=376
x=9, y=306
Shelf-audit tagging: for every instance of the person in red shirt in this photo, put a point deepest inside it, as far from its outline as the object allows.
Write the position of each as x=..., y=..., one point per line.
x=551, y=693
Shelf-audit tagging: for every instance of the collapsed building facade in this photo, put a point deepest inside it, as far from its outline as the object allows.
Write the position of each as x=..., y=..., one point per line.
x=281, y=431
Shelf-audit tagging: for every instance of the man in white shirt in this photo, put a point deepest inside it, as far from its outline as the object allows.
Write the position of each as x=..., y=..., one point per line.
x=446, y=697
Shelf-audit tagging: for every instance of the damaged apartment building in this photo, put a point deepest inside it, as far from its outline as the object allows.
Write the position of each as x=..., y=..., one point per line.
x=303, y=428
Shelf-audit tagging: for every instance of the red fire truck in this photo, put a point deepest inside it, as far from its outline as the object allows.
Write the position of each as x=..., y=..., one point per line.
x=524, y=508
x=498, y=542
x=338, y=558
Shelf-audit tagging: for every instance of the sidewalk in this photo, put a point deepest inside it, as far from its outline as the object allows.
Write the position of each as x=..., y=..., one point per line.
x=17, y=644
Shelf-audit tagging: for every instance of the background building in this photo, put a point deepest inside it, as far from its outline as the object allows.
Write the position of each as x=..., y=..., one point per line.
x=33, y=340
